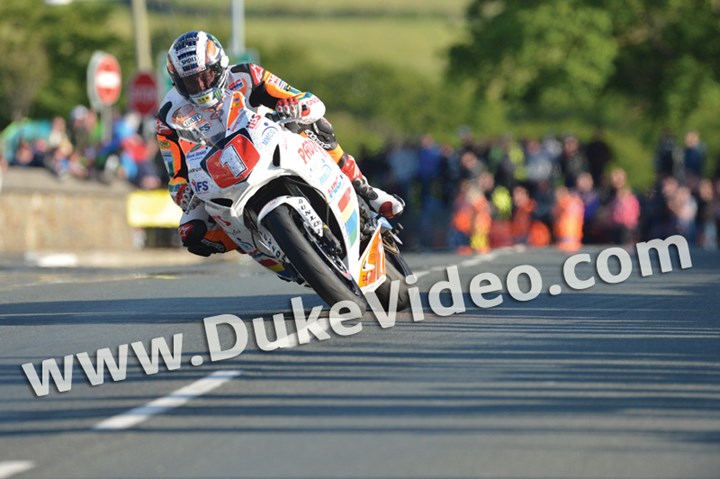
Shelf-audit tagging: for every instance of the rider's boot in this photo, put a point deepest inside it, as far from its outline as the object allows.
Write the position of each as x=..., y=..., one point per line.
x=204, y=238
x=382, y=202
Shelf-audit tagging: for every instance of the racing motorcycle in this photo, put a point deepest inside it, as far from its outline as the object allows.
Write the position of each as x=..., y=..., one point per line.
x=285, y=202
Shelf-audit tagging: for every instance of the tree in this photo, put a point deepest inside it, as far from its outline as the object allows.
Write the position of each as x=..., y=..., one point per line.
x=20, y=81
x=656, y=56
x=46, y=51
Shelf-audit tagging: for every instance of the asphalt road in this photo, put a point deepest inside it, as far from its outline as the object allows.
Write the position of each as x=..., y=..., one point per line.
x=616, y=381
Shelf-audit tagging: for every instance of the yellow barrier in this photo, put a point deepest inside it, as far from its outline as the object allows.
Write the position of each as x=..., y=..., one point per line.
x=152, y=209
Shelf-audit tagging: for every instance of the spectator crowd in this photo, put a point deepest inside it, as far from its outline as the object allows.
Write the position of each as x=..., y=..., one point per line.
x=541, y=191
x=478, y=195
x=78, y=147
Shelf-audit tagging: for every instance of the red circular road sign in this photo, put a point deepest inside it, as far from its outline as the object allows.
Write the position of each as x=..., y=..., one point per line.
x=143, y=93
x=104, y=79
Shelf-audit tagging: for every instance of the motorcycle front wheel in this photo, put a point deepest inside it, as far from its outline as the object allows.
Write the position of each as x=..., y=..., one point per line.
x=322, y=269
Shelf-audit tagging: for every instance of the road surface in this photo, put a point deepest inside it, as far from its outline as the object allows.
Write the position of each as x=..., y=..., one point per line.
x=614, y=381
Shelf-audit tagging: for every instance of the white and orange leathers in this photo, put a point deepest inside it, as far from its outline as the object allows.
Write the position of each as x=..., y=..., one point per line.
x=179, y=118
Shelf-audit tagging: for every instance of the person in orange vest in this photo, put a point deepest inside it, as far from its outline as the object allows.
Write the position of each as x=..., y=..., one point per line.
x=471, y=220
x=522, y=215
x=568, y=219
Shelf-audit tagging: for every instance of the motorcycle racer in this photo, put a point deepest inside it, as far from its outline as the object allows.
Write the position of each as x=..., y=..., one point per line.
x=204, y=84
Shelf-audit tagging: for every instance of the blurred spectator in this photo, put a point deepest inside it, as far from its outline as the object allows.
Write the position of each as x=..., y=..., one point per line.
x=448, y=174
x=471, y=220
x=552, y=145
x=667, y=155
x=684, y=207
x=539, y=163
x=693, y=155
x=544, y=197
x=572, y=161
x=25, y=156
x=567, y=219
x=470, y=165
x=500, y=202
x=58, y=137
x=85, y=133
x=624, y=209
x=58, y=160
x=128, y=156
x=403, y=164
x=506, y=160
x=428, y=170
x=716, y=211
x=522, y=215
x=705, y=222
x=23, y=131
x=660, y=218
x=467, y=142
x=593, y=228
x=598, y=156
x=475, y=196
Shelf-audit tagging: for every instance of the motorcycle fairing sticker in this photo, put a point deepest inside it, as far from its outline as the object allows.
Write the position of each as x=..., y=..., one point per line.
x=349, y=215
x=234, y=162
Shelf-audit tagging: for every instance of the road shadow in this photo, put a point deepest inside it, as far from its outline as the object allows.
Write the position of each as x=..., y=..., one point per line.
x=629, y=355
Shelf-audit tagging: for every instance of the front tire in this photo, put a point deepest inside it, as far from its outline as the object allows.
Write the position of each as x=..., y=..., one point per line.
x=308, y=256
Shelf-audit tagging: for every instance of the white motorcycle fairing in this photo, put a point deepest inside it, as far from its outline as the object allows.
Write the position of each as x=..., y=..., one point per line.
x=258, y=166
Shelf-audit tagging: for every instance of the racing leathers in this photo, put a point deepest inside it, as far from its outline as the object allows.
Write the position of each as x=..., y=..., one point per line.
x=180, y=118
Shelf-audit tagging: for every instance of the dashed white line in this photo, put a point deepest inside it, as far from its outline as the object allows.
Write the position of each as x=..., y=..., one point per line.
x=177, y=398
x=10, y=468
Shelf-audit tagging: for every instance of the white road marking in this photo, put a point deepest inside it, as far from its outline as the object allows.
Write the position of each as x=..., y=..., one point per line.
x=175, y=399
x=10, y=468
x=475, y=260
x=216, y=379
x=52, y=260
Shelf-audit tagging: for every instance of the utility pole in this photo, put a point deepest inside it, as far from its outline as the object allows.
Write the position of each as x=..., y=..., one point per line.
x=237, y=18
x=143, y=55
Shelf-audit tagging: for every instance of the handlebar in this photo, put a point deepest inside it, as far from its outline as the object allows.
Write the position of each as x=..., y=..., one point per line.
x=275, y=116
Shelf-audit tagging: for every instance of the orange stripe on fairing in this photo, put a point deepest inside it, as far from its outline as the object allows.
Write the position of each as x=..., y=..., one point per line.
x=235, y=107
x=372, y=263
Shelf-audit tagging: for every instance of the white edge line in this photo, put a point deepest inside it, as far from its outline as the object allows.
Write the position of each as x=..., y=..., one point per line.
x=175, y=399
x=10, y=468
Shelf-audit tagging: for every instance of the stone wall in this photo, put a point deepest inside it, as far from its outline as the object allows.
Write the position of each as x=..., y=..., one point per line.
x=39, y=212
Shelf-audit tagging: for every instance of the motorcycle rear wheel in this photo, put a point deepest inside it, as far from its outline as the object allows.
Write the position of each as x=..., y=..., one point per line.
x=394, y=273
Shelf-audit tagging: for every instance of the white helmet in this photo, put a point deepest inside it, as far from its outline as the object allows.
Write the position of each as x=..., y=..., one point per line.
x=198, y=67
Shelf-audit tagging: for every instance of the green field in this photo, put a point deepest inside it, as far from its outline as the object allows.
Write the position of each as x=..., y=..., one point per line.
x=415, y=44
x=413, y=35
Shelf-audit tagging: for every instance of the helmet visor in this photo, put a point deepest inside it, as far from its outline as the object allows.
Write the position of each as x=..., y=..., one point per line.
x=201, y=81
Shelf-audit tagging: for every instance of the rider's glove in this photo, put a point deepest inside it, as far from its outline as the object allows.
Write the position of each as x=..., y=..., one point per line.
x=289, y=108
